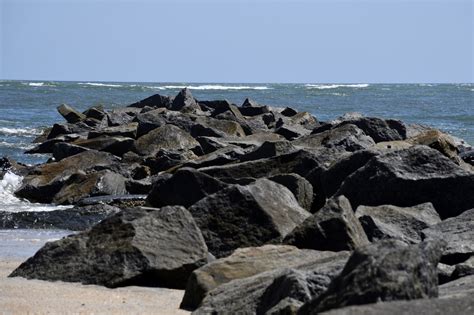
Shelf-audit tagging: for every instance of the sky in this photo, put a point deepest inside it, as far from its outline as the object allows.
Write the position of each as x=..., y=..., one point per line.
x=302, y=41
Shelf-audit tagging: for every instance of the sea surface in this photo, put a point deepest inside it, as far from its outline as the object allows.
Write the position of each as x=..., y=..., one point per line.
x=27, y=107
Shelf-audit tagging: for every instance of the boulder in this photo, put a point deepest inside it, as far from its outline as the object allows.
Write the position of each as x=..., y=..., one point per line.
x=78, y=218
x=250, y=108
x=464, y=269
x=384, y=271
x=242, y=216
x=404, y=224
x=116, y=145
x=458, y=232
x=150, y=120
x=289, y=112
x=155, y=101
x=128, y=130
x=184, y=101
x=247, y=262
x=70, y=114
x=460, y=287
x=299, y=186
x=334, y=227
x=409, y=177
x=287, y=306
x=168, y=137
x=81, y=185
x=63, y=150
x=121, y=116
x=152, y=247
x=195, y=185
x=269, y=149
x=211, y=127
x=96, y=112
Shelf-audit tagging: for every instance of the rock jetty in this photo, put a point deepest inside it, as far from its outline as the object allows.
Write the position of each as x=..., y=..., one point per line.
x=254, y=209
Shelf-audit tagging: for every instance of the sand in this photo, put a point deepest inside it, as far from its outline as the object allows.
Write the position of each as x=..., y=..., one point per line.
x=21, y=296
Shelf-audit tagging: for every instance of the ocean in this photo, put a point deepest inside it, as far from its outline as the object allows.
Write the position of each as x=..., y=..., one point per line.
x=29, y=106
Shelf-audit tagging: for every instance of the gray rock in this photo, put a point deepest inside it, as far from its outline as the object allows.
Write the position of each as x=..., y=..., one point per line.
x=444, y=273
x=299, y=186
x=458, y=232
x=464, y=269
x=154, y=247
x=121, y=116
x=156, y=101
x=334, y=228
x=411, y=176
x=460, y=287
x=184, y=101
x=269, y=149
x=242, y=216
x=63, y=150
x=287, y=306
x=116, y=145
x=384, y=271
x=128, y=130
x=70, y=114
x=404, y=224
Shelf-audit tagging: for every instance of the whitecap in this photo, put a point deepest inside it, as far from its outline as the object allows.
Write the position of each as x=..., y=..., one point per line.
x=335, y=86
x=38, y=84
x=21, y=145
x=20, y=131
x=9, y=202
x=210, y=87
x=100, y=84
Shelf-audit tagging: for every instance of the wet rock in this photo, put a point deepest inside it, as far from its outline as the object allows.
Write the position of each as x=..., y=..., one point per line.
x=70, y=114
x=404, y=224
x=299, y=186
x=409, y=177
x=384, y=271
x=242, y=216
x=168, y=137
x=153, y=247
x=194, y=184
x=78, y=218
x=334, y=227
x=458, y=232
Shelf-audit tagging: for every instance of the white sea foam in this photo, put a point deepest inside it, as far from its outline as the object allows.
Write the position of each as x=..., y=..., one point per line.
x=210, y=87
x=38, y=84
x=20, y=131
x=9, y=202
x=21, y=146
x=335, y=86
x=100, y=84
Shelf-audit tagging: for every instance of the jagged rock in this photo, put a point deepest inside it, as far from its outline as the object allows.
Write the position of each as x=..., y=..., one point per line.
x=241, y=216
x=210, y=127
x=116, y=145
x=81, y=185
x=250, y=108
x=467, y=156
x=45, y=180
x=150, y=120
x=412, y=176
x=221, y=156
x=287, y=306
x=444, y=273
x=48, y=145
x=334, y=227
x=289, y=112
x=299, y=186
x=155, y=247
x=385, y=271
x=404, y=224
x=78, y=218
x=194, y=184
x=460, y=287
x=245, y=295
x=63, y=150
x=155, y=101
x=184, y=101
x=247, y=262
x=70, y=114
x=168, y=137
x=128, y=130
x=165, y=160
x=458, y=232
x=95, y=112
x=346, y=137
x=269, y=149
x=113, y=200
x=291, y=132
x=121, y=116
x=464, y=269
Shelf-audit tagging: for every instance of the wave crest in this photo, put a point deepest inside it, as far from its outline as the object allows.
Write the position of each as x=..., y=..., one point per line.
x=335, y=86
x=20, y=131
x=100, y=84
x=210, y=87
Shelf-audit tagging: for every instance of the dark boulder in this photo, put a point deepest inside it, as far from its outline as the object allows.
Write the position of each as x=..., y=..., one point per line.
x=184, y=101
x=299, y=186
x=250, y=108
x=334, y=227
x=63, y=150
x=153, y=247
x=121, y=116
x=242, y=216
x=155, y=101
x=464, y=269
x=269, y=149
x=289, y=112
x=96, y=112
x=404, y=224
x=409, y=177
x=128, y=130
x=116, y=145
x=384, y=271
x=70, y=114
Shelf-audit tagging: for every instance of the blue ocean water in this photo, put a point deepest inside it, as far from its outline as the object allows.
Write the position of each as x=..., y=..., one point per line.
x=26, y=107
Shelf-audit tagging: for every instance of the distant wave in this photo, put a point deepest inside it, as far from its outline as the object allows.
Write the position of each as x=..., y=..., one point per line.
x=21, y=146
x=210, y=87
x=38, y=84
x=20, y=131
x=100, y=84
x=335, y=86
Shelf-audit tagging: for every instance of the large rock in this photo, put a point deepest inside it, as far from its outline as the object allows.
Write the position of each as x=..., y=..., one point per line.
x=81, y=185
x=154, y=247
x=185, y=187
x=168, y=137
x=211, y=127
x=269, y=149
x=78, y=218
x=184, y=101
x=128, y=130
x=458, y=232
x=116, y=145
x=384, y=271
x=70, y=114
x=334, y=228
x=247, y=262
x=299, y=186
x=404, y=224
x=410, y=177
x=242, y=216
x=44, y=181
x=63, y=150
x=464, y=269
x=156, y=101
x=247, y=295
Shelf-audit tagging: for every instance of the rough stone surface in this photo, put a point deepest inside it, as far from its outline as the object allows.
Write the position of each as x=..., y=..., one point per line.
x=70, y=114
x=299, y=186
x=155, y=247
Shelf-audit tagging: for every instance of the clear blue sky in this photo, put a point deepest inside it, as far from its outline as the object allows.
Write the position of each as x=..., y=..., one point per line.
x=238, y=41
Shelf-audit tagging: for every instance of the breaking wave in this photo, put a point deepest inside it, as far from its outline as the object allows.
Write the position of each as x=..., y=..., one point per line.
x=100, y=84
x=21, y=145
x=335, y=86
x=20, y=131
x=210, y=87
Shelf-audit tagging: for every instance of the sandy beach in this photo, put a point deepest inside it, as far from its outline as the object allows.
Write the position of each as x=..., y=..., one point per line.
x=22, y=296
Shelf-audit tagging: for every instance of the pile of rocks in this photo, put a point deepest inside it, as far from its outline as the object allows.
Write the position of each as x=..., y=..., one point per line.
x=255, y=209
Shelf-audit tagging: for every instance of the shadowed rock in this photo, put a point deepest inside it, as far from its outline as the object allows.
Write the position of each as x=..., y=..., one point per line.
x=70, y=114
